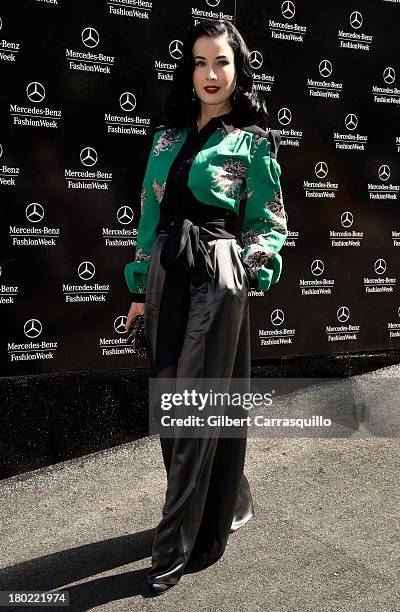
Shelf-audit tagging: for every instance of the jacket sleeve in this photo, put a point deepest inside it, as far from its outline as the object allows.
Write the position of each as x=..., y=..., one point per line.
x=136, y=271
x=263, y=230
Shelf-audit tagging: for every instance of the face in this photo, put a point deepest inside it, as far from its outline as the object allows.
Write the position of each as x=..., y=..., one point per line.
x=214, y=68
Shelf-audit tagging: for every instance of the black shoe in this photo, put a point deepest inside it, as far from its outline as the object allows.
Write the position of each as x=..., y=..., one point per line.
x=156, y=588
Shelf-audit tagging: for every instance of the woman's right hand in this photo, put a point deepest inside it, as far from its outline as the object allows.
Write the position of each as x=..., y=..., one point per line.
x=137, y=308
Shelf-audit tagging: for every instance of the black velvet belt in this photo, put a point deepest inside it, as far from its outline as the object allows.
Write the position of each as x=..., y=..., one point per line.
x=187, y=239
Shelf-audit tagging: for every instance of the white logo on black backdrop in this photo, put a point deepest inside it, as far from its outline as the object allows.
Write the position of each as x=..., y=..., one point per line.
x=34, y=212
x=287, y=30
x=356, y=20
x=288, y=9
x=320, y=189
x=262, y=81
x=342, y=332
x=124, y=124
x=35, y=116
x=175, y=49
x=321, y=169
x=256, y=60
x=86, y=270
x=33, y=328
x=88, y=156
x=289, y=136
x=386, y=94
x=121, y=236
x=35, y=92
x=343, y=314
x=355, y=141
x=122, y=8
x=8, y=49
x=380, y=266
x=346, y=238
x=355, y=40
x=277, y=316
x=125, y=215
x=90, y=37
x=389, y=75
x=127, y=101
x=384, y=172
x=322, y=88
x=317, y=267
x=351, y=121
x=325, y=68
x=37, y=236
x=316, y=286
x=119, y=324
x=89, y=61
x=379, y=284
x=7, y=292
x=284, y=116
x=346, y=219
x=213, y=3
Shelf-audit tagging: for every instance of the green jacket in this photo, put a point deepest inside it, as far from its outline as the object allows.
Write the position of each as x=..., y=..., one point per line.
x=233, y=163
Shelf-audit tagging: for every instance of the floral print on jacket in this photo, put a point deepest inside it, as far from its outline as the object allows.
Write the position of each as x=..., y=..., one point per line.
x=230, y=166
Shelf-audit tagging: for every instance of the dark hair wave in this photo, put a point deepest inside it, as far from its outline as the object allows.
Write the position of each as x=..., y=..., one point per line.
x=248, y=106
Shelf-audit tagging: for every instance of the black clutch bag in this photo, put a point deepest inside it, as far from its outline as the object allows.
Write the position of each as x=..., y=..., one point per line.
x=136, y=336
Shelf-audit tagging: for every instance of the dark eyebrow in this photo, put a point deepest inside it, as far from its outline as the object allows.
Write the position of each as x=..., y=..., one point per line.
x=218, y=57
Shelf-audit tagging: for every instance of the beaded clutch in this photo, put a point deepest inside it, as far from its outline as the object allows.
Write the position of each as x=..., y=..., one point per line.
x=136, y=336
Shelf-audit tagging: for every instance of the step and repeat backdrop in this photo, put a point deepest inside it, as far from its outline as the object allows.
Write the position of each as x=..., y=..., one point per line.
x=82, y=86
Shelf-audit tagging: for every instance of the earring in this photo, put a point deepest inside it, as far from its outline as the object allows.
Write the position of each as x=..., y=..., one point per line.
x=194, y=95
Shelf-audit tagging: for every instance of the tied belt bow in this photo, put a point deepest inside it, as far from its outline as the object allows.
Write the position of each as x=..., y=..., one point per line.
x=189, y=240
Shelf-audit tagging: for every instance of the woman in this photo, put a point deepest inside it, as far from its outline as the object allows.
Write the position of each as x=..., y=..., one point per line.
x=212, y=225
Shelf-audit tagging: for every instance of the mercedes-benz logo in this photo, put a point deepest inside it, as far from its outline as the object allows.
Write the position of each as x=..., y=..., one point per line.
x=88, y=156
x=284, y=116
x=35, y=92
x=90, y=37
x=1, y=270
x=288, y=9
x=325, y=68
x=351, y=121
x=213, y=3
x=398, y=311
x=389, y=75
x=346, y=219
x=343, y=314
x=125, y=215
x=1, y=23
x=175, y=49
x=356, y=20
x=256, y=60
x=1, y=150
x=86, y=270
x=277, y=316
x=119, y=324
x=32, y=328
x=384, y=172
x=317, y=267
x=34, y=212
x=380, y=266
x=127, y=101
x=321, y=169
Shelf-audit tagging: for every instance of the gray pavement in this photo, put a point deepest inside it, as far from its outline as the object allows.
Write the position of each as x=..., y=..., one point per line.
x=325, y=536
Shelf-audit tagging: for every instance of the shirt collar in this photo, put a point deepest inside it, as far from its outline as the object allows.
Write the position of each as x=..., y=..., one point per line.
x=227, y=120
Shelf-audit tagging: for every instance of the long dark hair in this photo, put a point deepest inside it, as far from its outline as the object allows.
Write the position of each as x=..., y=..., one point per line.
x=248, y=106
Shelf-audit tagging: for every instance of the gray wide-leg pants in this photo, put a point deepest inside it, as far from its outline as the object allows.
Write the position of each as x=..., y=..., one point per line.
x=199, y=332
